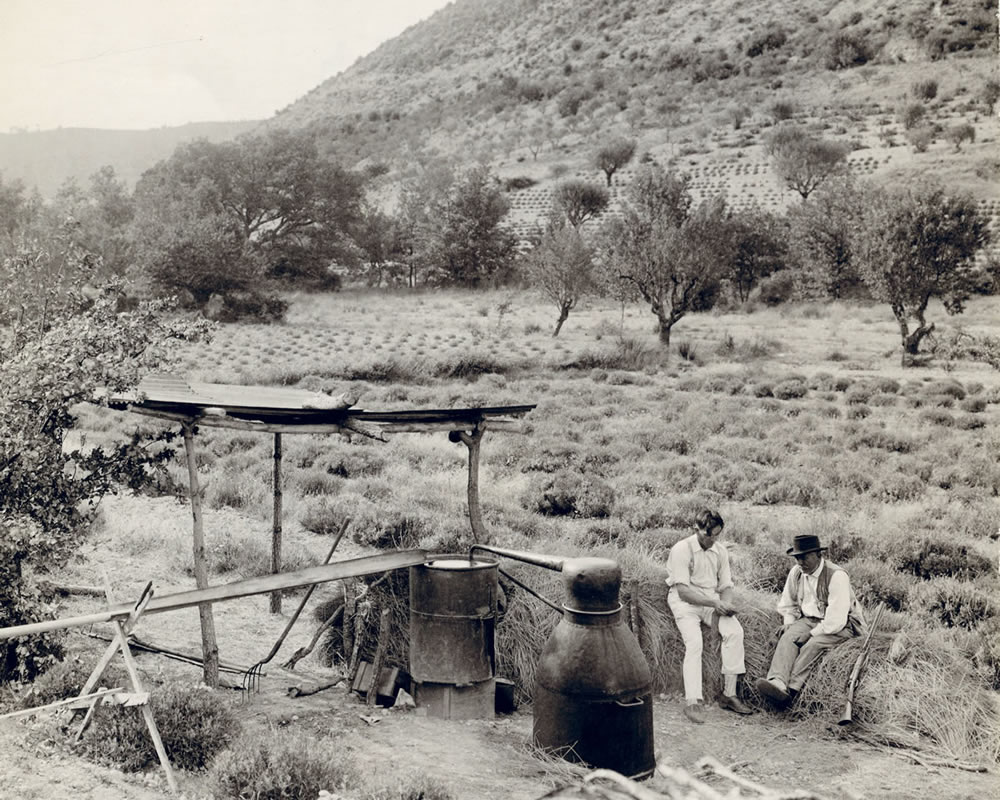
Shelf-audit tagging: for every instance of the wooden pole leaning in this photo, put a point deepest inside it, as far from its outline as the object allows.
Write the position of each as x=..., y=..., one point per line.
x=276, y=528
x=209, y=645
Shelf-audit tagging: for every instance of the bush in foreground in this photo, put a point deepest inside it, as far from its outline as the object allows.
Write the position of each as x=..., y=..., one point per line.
x=194, y=722
x=280, y=766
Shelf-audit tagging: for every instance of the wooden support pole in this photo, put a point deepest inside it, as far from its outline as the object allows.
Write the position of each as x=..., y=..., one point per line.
x=383, y=633
x=209, y=646
x=472, y=441
x=276, y=529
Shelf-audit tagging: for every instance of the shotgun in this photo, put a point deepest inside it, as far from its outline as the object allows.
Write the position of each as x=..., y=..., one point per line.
x=852, y=684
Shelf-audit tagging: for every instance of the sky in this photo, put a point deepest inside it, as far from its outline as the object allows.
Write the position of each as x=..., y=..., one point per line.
x=138, y=64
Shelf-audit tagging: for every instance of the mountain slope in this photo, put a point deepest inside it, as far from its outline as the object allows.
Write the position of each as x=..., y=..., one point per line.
x=532, y=87
x=46, y=158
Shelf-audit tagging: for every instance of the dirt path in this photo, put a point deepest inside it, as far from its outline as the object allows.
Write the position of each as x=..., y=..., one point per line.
x=493, y=760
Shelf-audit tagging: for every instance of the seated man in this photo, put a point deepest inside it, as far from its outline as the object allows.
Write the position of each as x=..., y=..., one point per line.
x=820, y=611
x=701, y=590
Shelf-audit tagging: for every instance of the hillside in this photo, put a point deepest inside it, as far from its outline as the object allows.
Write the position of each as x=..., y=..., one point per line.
x=533, y=87
x=46, y=158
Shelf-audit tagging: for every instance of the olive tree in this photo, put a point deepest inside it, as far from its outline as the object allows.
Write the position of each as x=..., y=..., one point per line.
x=914, y=244
x=671, y=254
x=804, y=162
x=614, y=155
x=578, y=200
x=561, y=267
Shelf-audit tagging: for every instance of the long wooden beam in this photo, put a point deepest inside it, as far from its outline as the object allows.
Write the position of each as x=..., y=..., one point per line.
x=351, y=568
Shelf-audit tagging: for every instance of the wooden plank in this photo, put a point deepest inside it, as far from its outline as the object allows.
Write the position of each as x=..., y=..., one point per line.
x=69, y=701
x=350, y=568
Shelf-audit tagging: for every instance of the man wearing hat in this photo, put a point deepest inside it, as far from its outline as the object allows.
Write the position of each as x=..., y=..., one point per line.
x=820, y=610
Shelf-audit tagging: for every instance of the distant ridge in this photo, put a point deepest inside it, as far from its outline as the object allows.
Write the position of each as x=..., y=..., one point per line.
x=44, y=159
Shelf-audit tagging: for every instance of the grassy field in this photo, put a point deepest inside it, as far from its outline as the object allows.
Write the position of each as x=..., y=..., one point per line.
x=790, y=420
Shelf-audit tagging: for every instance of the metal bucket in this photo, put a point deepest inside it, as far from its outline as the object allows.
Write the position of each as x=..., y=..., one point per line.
x=453, y=610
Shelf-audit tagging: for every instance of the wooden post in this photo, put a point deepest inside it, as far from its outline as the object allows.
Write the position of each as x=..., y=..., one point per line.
x=209, y=646
x=276, y=529
x=472, y=441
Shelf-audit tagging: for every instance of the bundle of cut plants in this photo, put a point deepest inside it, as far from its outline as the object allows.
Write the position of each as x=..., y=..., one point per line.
x=671, y=783
x=918, y=692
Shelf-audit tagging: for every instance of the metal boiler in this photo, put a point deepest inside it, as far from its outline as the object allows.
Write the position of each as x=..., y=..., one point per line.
x=593, y=699
x=453, y=610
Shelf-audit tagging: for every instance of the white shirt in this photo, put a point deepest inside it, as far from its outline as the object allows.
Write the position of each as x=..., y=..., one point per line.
x=704, y=569
x=806, y=604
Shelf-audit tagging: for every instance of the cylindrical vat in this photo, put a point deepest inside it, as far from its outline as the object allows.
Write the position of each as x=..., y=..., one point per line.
x=593, y=698
x=453, y=610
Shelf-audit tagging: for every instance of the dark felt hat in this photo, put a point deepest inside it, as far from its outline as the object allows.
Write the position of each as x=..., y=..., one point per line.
x=806, y=543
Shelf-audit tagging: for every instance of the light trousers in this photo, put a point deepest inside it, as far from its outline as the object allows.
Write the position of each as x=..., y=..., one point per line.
x=798, y=651
x=689, y=619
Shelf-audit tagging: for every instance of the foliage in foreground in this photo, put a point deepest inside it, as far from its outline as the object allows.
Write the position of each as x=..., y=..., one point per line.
x=280, y=765
x=63, y=342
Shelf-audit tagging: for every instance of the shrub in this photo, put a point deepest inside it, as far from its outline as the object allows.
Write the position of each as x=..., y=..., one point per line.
x=920, y=138
x=790, y=389
x=194, y=722
x=63, y=679
x=925, y=89
x=848, y=50
x=957, y=604
x=570, y=493
x=974, y=405
x=873, y=583
x=935, y=559
x=788, y=487
x=281, y=766
x=518, y=182
x=859, y=394
x=912, y=115
x=898, y=488
x=777, y=288
x=772, y=38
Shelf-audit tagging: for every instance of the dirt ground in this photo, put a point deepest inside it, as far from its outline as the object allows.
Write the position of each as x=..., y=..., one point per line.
x=482, y=759
x=485, y=759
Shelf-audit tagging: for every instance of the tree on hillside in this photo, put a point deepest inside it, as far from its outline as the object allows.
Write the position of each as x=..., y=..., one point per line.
x=561, y=267
x=820, y=234
x=60, y=344
x=804, y=162
x=578, y=200
x=914, y=244
x=671, y=255
x=613, y=156
x=759, y=248
x=467, y=244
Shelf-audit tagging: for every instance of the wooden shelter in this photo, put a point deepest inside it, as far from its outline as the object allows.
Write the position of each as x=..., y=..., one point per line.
x=278, y=411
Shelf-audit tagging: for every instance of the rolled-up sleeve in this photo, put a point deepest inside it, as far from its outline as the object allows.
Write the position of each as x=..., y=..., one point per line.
x=679, y=564
x=838, y=605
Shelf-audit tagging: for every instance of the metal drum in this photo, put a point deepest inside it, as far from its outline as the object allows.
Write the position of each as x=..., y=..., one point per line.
x=593, y=698
x=453, y=610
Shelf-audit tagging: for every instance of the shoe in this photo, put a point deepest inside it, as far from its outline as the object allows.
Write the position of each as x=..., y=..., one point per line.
x=695, y=713
x=734, y=704
x=773, y=692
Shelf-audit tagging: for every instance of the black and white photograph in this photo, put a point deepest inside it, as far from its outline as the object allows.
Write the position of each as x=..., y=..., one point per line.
x=499, y=400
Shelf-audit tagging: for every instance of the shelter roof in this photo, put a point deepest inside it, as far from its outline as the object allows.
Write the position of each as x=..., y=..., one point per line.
x=277, y=408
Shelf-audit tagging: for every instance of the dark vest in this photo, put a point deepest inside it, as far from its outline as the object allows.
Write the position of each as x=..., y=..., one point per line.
x=855, y=616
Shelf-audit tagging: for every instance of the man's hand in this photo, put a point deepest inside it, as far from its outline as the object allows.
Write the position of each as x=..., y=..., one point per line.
x=726, y=608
